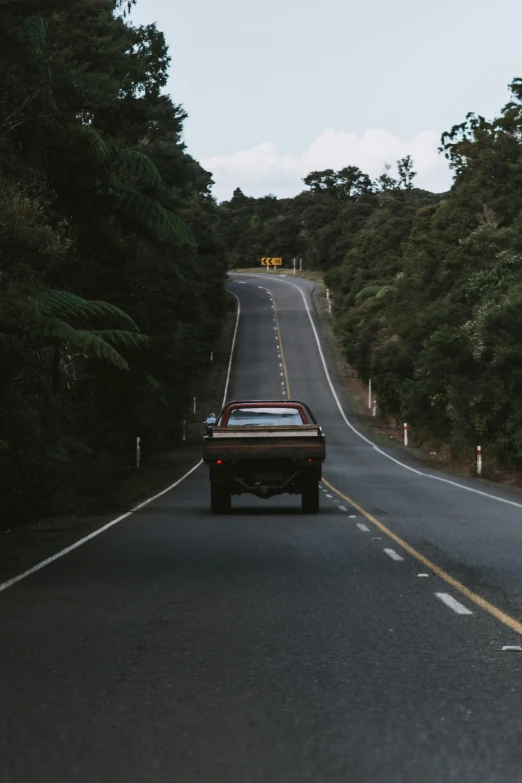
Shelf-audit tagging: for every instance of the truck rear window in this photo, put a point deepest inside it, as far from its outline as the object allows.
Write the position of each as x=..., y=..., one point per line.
x=264, y=417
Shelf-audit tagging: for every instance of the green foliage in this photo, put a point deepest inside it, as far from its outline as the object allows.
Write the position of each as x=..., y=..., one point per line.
x=111, y=259
x=427, y=287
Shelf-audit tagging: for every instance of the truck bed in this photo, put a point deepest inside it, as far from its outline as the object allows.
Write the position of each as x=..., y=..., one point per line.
x=291, y=442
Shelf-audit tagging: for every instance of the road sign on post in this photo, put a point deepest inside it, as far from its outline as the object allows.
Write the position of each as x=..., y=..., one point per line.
x=271, y=262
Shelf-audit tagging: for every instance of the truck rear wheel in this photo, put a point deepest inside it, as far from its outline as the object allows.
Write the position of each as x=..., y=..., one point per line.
x=220, y=499
x=310, y=499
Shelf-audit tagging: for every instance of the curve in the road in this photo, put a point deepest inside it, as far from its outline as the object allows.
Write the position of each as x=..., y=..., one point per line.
x=478, y=600
x=367, y=440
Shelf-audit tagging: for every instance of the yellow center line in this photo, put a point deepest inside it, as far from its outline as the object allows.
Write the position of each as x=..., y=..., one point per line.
x=494, y=611
x=280, y=344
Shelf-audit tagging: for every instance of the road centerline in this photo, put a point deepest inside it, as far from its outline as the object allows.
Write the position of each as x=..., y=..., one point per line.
x=488, y=607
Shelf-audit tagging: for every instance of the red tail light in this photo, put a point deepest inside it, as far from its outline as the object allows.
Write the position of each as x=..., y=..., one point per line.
x=310, y=459
x=219, y=462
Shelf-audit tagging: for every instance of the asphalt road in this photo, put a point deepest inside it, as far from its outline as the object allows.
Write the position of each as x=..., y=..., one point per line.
x=271, y=647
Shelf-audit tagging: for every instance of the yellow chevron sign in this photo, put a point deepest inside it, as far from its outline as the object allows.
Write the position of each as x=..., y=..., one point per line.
x=271, y=262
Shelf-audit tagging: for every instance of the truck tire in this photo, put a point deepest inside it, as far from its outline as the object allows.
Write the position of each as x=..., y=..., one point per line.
x=220, y=499
x=310, y=499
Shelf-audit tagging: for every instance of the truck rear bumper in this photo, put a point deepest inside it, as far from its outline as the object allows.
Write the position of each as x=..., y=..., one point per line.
x=293, y=483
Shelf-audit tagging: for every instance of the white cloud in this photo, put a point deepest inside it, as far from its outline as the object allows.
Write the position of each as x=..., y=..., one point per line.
x=264, y=169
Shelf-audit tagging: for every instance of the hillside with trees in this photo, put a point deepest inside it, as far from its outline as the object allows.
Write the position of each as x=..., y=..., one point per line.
x=427, y=287
x=111, y=269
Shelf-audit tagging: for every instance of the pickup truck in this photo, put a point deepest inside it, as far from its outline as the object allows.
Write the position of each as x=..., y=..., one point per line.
x=264, y=448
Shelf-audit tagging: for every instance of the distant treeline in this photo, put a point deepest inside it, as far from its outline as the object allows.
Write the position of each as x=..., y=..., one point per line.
x=111, y=267
x=427, y=287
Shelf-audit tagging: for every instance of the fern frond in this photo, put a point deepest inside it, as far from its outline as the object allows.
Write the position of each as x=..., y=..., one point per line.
x=137, y=166
x=365, y=293
x=97, y=309
x=93, y=142
x=152, y=215
x=385, y=290
x=56, y=302
x=70, y=307
x=37, y=33
x=122, y=338
x=86, y=342
x=151, y=381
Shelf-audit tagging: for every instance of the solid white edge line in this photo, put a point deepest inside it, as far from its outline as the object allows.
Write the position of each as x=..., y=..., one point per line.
x=62, y=552
x=367, y=440
x=393, y=554
x=457, y=607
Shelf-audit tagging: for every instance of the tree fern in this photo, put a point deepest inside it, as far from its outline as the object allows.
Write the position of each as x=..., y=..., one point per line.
x=138, y=167
x=59, y=308
x=37, y=34
x=152, y=215
x=92, y=141
x=122, y=338
x=367, y=292
x=86, y=342
x=57, y=301
x=384, y=291
x=95, y=309
x=72, y=307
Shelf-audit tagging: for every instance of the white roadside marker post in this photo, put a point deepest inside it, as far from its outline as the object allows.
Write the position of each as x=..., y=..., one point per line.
x=405, y=434
x=138, y=452
x=328, y=293
x=300, y=264
x=194, y=405
x=370, y=393
x=184, y=432
x=211, y=356
x=294, y=265
x=479, y=460
x=374, y=409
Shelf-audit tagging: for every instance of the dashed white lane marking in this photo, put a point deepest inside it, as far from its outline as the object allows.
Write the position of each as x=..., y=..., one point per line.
x=328, y=496
x=282, y=373
x=280, y=364
x=457, y=607
x=243, y=283
x=336, y=501
x=343, y=508
x=309, y=310
x=363, y=527
x=393, y=554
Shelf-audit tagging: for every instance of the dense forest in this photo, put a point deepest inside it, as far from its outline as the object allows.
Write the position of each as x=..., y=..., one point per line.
x=111, y=267
x=427, y=287
x=114, y=253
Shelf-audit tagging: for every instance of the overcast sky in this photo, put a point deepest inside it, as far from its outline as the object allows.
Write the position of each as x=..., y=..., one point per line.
x=275, y=89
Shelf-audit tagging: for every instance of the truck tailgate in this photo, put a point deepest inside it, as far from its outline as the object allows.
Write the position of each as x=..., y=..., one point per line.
x=297, y=443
